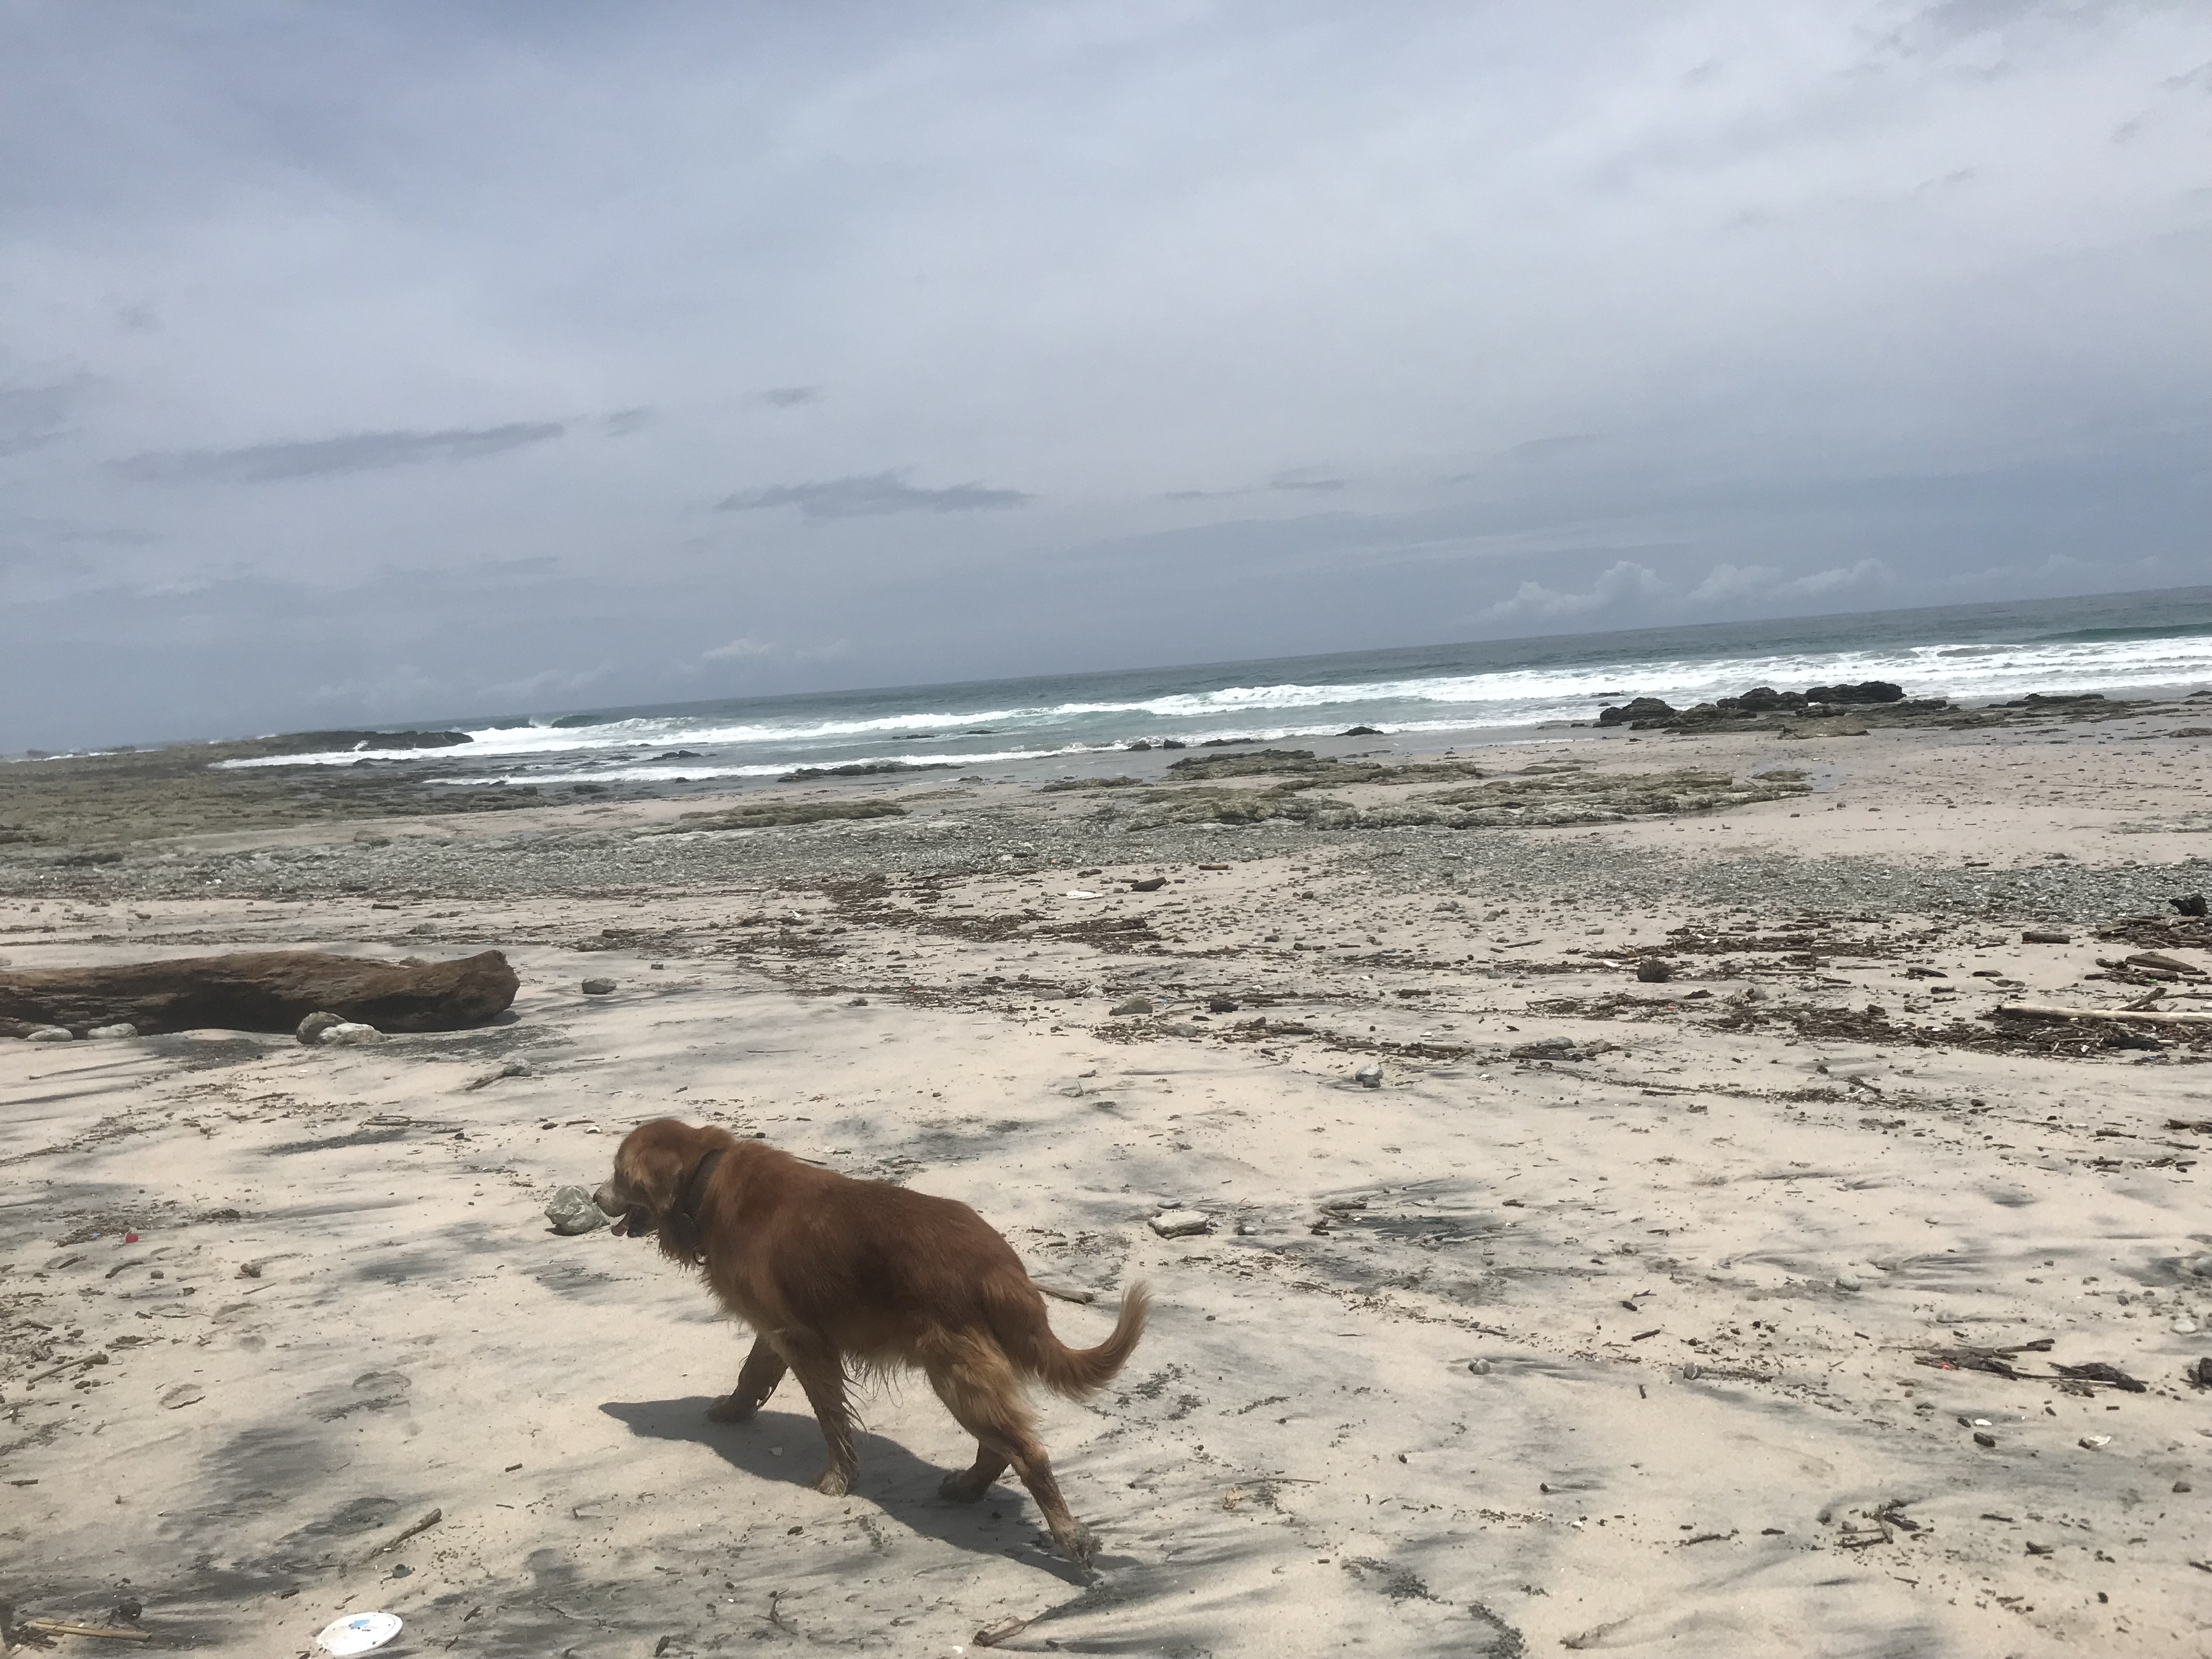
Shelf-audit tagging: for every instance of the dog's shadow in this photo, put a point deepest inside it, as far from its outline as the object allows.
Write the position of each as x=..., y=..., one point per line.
x=890, y=1476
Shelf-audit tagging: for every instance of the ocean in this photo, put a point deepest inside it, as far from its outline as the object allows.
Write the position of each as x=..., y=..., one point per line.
x=1491, y=691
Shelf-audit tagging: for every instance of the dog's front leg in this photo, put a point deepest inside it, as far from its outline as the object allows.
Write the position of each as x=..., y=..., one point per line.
x=764, y=1368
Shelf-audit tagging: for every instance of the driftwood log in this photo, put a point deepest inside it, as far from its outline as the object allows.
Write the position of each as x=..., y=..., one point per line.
x=2114, y=1016
x=263, y=991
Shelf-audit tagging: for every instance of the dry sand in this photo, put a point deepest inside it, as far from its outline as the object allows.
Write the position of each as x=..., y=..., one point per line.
x=1612, y=1352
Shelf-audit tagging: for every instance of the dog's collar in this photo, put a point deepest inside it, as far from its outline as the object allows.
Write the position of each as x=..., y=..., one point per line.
x=686, y=1210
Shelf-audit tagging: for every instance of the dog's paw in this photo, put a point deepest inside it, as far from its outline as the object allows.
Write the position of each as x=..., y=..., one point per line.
x=960, y=1489
x=1079, y=1544
x=834, y=1483
x=729, y=1409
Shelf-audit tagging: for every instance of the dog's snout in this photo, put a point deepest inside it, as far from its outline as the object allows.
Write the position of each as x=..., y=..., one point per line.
x=605, y=1198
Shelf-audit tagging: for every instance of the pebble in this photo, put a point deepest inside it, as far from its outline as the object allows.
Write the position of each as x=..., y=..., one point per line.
x=1132, y=1006
x=598, y=987
x=1181, y=1223
x=1849, y=1282
x=1369, y=1076
x=572, y=1211
x=50, y=1033
x=311, y=1029
x=1478, y=1367
x=2185, y=1327
x=1983, y=1439
x=2095, y=1441
x=348, y=1034
x=119, y=1029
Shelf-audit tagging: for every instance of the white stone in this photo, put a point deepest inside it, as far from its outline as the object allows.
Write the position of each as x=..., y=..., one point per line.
x=1181, y=1223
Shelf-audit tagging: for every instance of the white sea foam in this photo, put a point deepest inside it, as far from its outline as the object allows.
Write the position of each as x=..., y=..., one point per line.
x=1285, y=709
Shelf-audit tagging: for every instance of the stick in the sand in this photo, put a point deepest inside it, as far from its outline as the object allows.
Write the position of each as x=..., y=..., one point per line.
x=63, y=1627
x=405, y=1533
x=2124, y=1016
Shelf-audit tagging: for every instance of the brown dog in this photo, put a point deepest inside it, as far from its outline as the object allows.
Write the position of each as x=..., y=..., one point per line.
x=835, y=1275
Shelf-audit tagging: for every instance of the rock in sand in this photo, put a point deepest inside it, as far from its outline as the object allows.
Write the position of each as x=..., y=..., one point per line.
x=572, y=1211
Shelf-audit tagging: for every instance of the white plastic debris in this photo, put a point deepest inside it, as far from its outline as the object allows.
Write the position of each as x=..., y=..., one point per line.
x=358, y=1632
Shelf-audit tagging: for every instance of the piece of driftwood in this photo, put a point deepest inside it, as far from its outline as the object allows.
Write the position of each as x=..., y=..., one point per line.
x=67, y=1627
x=260, y=991
x=422, y=1524
x=1996, y=1361
x=2121, y=1015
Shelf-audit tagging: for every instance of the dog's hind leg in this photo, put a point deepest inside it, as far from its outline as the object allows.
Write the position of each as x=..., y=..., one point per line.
x=972, y=1483
x=983, y=1393
x=764, y=1368
x=821, y=1372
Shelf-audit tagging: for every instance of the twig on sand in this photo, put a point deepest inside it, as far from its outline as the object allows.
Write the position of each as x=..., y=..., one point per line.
x=67, y=1627
x=422, y=1524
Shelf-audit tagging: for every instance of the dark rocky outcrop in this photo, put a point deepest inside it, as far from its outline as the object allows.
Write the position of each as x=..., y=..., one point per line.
x=1763, y=700
x=260, y=991
x=325, y=743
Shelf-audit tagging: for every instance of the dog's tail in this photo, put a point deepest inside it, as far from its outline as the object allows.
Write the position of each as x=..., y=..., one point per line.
x=1077, y=1372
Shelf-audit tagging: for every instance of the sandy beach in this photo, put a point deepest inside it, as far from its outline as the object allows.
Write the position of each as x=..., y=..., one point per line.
x=1612, y=1314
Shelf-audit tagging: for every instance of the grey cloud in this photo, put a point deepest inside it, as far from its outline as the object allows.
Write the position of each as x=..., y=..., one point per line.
x=624, y=422
x=1305, y=478
x=869, y=494
x=357, y=452
x=33, y=415
x=1543, y=449
x=786, y=397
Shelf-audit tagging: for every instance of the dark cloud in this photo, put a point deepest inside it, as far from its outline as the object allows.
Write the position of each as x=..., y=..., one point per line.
x=786, y=397
x=33, y=415
x=1305, y=478
x=357, y=452
x=624, y=422
x=871, y=495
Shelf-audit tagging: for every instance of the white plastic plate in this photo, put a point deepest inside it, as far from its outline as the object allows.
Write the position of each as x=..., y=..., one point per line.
x=358, y=1632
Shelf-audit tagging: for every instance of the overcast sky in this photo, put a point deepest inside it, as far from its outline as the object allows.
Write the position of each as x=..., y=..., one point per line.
x=402, y=358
